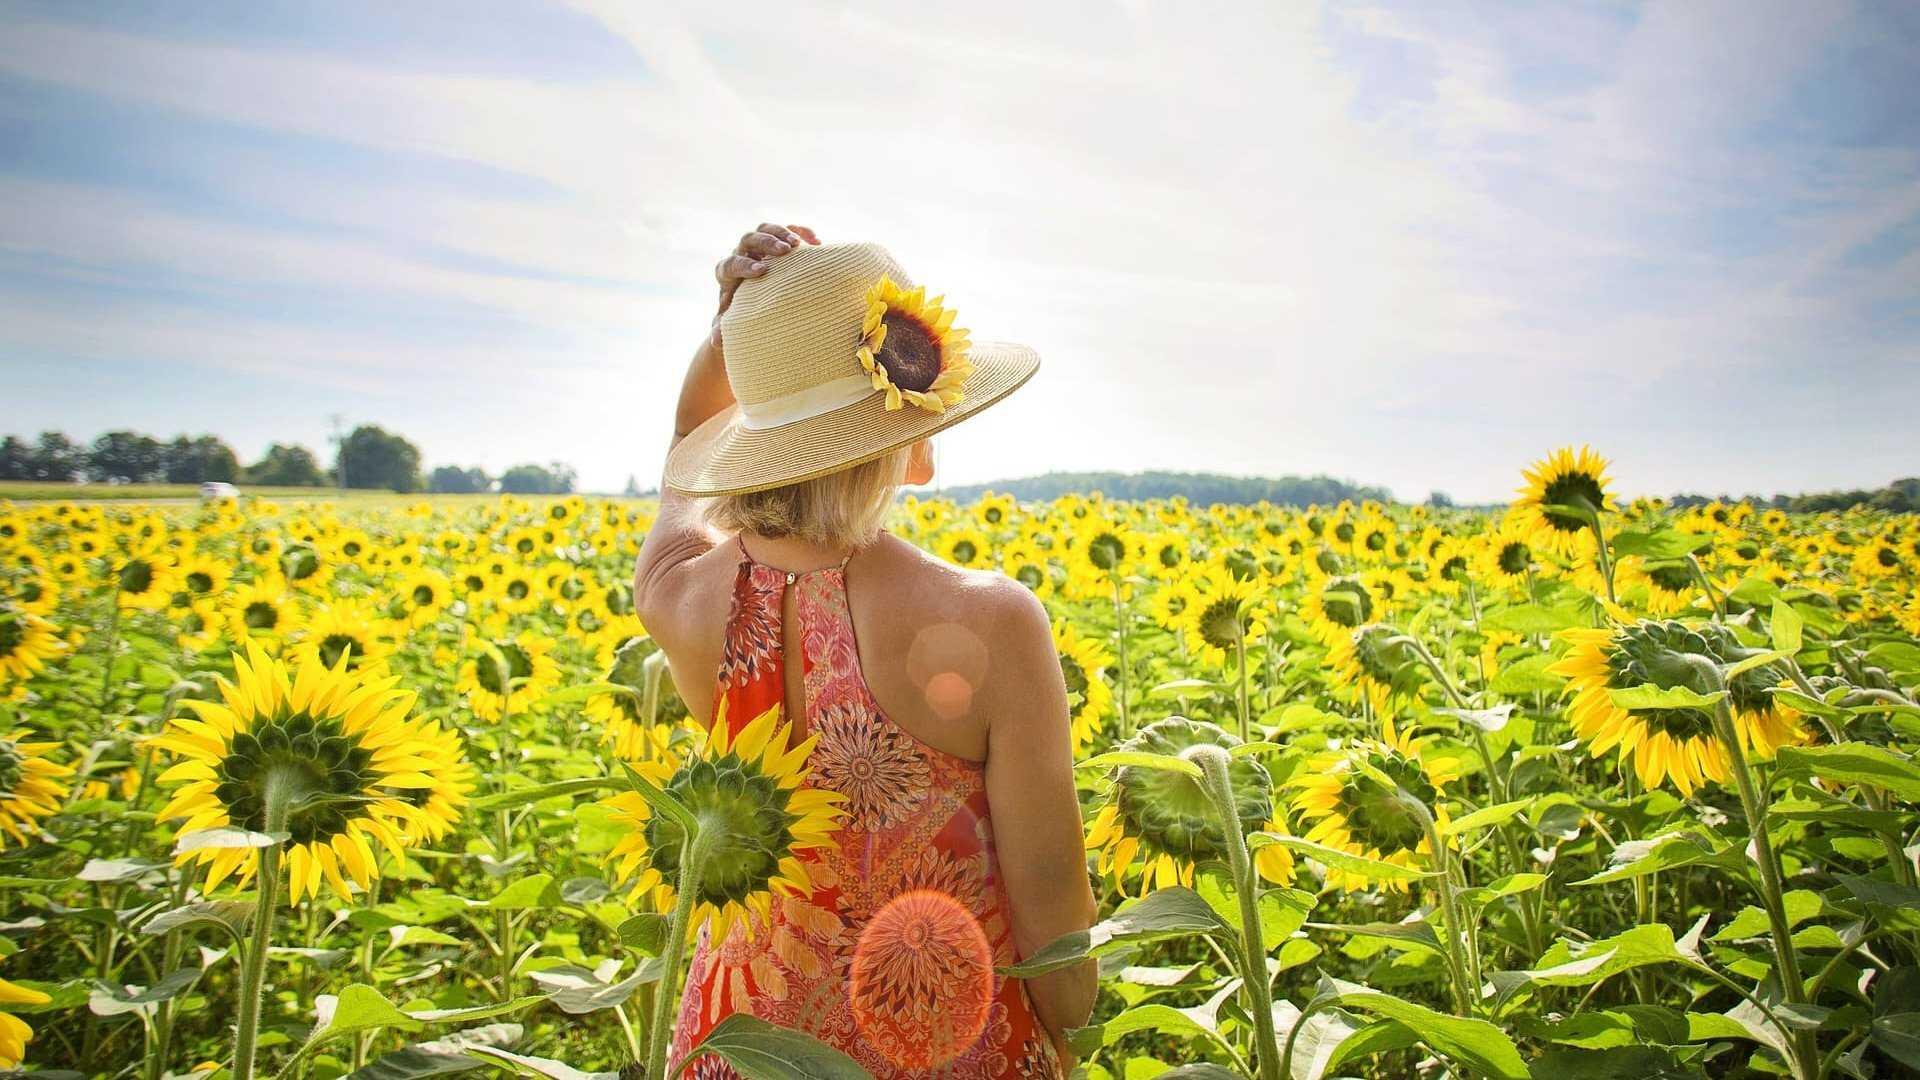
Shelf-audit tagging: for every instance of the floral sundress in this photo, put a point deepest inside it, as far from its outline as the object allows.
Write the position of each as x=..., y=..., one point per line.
x=916, y=819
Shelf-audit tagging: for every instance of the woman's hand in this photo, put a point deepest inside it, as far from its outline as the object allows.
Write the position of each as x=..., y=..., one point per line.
x=751, y=257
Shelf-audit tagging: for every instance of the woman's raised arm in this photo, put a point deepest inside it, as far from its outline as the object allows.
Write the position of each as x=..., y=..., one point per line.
x=678, y=534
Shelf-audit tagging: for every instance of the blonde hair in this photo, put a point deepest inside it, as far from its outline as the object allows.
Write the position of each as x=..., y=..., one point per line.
x=842, y=509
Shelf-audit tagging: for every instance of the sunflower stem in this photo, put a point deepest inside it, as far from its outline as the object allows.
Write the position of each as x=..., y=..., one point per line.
x=693, y=857
x=1793, y=987
x=1466, y=975
x=1240, y=656
x=1600, y=548
x=1713, y=596
x=1246, y=886
x=278, y=789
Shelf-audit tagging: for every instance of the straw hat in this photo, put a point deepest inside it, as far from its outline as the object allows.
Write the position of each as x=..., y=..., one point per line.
x=836, y=359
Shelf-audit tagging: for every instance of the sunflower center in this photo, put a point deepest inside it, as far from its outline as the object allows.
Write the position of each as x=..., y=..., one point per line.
x=1514, y=557
x=518, y=589
x=423, y=596
x=1887, y=557
x=519, y=666
x=1106, y=550
x=11, y=635
x=1075, y=676
x=317, y=756
x=910, y=353
x=1347, y=602
x=199, y=581
x=1671, y=579
x=136, y=577
x=1029, y=575
x=261, y=615
x=1326, y=560
x=1454, y=569
x=965, y=551
x=334, y=646
x=1578, y=490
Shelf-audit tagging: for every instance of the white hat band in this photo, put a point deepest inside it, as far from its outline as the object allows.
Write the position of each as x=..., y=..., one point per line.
x=806, y=403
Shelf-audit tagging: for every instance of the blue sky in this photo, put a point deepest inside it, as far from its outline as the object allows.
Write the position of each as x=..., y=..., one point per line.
x=1415, y=245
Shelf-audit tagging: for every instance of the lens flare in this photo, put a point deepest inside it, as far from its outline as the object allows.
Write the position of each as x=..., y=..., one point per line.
x=922, y=980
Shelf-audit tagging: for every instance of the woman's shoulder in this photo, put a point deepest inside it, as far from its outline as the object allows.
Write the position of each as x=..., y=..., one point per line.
x=925, y=588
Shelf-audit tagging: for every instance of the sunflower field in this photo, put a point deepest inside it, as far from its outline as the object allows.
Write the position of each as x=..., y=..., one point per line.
x=1575, y=788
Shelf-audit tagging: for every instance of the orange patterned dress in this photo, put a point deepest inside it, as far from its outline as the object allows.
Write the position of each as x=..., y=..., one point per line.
x=916, y=819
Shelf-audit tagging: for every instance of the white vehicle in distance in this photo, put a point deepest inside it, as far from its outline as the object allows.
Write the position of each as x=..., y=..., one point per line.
x=218, y=489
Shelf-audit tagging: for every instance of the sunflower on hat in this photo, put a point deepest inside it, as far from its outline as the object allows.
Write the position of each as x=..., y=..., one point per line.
x=911, y=348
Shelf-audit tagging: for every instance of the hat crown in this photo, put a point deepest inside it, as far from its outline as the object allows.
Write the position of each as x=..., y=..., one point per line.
x=798, y=327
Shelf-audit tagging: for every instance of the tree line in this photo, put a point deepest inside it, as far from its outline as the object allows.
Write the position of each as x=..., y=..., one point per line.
x=1204, y=489
x=368, y=458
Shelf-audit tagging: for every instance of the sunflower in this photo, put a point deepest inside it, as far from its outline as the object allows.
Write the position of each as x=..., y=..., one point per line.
x=30, y=787
x=1169, y=818
x=1166, y=555
x=200, y=626
x=202, y=576
x=529, y=673
x=995, y=511
x=1369, y=665
x=432, y=811
x=1028, y=565
x=27, y=642
x=1338, y=605
x=1351, y=810
x=144, y=581
x=1222, y=616
x=1669, y=586
x=966, y=547
x=623, y=717
x=1879, y=557
x=345, y=630
x=1083, y=663
x=16, y=1033
x=1506, y=555
x=421, y=597
x=754, y=794
x=1564, y=479
x=262, y=608
x=911, y=349
x=335, y=753
x=1667, y=742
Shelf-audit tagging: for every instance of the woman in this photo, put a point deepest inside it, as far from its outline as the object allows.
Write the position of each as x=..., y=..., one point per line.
x=935, y=692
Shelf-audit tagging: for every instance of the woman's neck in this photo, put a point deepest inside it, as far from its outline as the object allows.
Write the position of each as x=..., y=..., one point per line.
x=788, y=553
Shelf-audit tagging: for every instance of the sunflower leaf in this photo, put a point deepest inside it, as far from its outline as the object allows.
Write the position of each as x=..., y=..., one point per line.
x=1476, y=1044
x=230, y=916
x=1855, y=763
x=1754, y=661
x=1485, y=816
x=1164, y=913
x=660, y=800
x=226, y=838
x=440, y=1056
x=1637, y=858
x=1142, y=759
x=1787, y=627
x=1647, y=696
x=758, y=1050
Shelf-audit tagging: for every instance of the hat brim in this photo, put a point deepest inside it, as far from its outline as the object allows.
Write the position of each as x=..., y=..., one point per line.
x=724, y=457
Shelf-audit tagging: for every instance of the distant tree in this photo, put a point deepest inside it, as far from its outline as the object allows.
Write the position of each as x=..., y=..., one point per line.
x=633, y=486
x=1199, y=488
x=197, y=461
x=17, y=459
x=286, y=465
x=554, y=479
x=454, y=480
x=127, y=457
x=1440, y=500
x=373, y=457
x=57, y=457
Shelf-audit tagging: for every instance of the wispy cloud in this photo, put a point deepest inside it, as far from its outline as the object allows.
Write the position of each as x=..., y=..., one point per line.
x=1404, y=243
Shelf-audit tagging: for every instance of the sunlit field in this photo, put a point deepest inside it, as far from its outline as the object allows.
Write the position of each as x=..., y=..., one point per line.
x=1577, y=788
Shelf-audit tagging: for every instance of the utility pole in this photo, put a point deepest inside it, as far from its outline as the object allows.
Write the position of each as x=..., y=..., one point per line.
x=339, y=453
